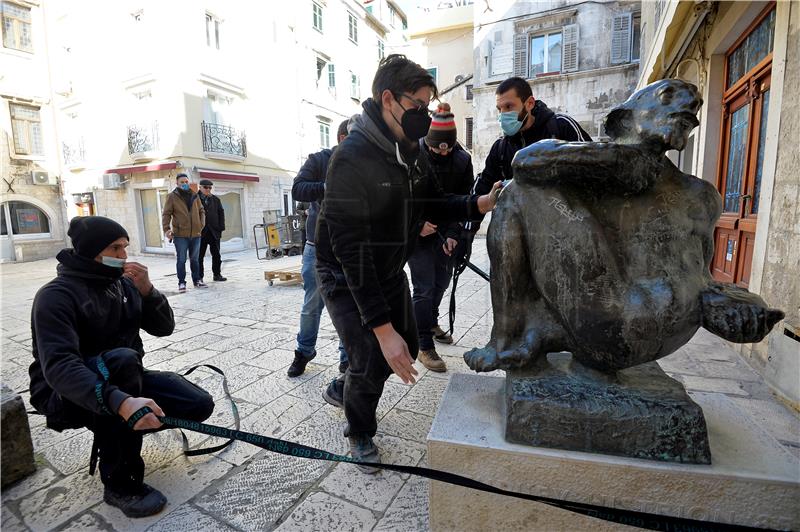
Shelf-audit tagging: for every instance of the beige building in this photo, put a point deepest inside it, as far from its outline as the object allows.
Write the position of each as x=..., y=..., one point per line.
x=31, y=210
x=440, y=42
x=745, y=59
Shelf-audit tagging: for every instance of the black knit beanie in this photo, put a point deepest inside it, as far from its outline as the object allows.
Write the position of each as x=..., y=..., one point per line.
x=92, y=234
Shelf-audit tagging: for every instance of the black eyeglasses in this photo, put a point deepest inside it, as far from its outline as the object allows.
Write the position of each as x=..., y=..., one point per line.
x=419, y=105
x=206, y=187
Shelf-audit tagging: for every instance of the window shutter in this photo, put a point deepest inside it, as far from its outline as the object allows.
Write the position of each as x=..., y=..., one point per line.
x=621, y=38
x=468, y=132
x=521, y=55
x=569, y=62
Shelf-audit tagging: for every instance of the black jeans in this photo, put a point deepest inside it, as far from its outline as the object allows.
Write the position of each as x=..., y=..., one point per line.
x=431, y=271
x=119, y=448
x=209, y=241
x=368, y=370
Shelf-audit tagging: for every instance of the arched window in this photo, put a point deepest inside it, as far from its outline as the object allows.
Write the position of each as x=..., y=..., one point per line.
x=24, y=219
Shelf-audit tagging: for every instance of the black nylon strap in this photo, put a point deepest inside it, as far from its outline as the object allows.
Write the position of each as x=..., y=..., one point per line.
x=637, y=519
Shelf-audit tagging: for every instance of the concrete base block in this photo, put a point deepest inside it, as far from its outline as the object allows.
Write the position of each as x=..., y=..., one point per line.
x=752, y=480
x=17, y=448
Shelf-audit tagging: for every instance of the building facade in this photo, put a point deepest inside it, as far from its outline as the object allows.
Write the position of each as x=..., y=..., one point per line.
x=32, y=214
x=580, y=58
x=745, y=59
x=440, y=42
x=238, y=92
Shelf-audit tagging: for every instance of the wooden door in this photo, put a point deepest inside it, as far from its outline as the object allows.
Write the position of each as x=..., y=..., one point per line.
x=746, y=109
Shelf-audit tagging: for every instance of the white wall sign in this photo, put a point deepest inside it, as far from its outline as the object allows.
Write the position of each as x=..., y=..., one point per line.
x=501, y=62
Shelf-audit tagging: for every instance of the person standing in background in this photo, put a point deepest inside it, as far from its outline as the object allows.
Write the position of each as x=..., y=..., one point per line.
x=183, y=219
x=431, y=263
x=212, y=231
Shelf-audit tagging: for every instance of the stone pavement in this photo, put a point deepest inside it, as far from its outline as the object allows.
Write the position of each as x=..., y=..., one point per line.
x=248, y=329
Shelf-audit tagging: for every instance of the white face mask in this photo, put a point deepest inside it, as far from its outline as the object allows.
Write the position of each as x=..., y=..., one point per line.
x=114, y=262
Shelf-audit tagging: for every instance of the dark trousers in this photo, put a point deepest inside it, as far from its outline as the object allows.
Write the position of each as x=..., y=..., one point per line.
x=119, y=448
x=210, y=241
x=431, y=271
x=368, y=368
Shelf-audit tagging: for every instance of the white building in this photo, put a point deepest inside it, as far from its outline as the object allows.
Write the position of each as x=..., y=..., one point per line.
x=238, y=92
x=31, y=211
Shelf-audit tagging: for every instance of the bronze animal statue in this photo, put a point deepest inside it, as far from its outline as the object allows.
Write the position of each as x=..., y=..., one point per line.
x=603, y=249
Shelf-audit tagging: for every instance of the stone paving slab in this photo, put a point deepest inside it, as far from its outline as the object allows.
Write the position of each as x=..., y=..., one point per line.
x=248, y=329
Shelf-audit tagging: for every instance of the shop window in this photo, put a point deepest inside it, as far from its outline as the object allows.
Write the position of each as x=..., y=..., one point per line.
x=25, y=220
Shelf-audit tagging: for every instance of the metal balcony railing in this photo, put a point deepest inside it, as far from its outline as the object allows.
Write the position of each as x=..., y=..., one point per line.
x=223, y=139
x=142, y=138
x=74, y=152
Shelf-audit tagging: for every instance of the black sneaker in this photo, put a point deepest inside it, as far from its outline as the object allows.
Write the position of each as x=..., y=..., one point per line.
x=181, y=287
x=334, y=393
x=144, y=502
x=200, y=284
x=298, y=365
x=343, y=366
x=363, y=449
x=220, y=278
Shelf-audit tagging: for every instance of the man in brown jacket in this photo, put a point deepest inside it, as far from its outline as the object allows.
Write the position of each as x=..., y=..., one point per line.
x=183, y=220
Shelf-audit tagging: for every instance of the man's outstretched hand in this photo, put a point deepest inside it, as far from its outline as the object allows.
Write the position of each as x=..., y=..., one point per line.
x=132, y=404
x=395, y=351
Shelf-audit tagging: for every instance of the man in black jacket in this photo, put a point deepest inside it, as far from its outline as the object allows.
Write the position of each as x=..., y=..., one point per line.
x=431, y=263
x=87, y=369
x=524, y=120
x=309, y=186
x=212, y=231
x=378, y=192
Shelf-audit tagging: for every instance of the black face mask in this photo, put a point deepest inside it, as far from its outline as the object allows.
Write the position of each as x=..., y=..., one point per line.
x=438, y=158
x=415, y=122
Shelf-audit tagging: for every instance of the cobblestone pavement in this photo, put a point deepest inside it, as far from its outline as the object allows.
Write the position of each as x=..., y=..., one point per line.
x=248, y=329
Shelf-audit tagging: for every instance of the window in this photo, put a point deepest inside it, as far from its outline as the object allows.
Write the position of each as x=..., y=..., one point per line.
x=545, y=54
x=17, y=27
x=288, y=204
x=220, y=108
x=212, y=31
x=355, y=88
x=381, y=50
x=434, y=72
x=27, y=128
x=469, y=93
x=468, y=132
x=392, y=16
x=331, y=76
x=352, y=27
x=320, y=68
x=623, y=35
x=404, y=23
x=324, y=135
x=317, y=13
x=26, y=220
x=752, y=50
x=636, y=39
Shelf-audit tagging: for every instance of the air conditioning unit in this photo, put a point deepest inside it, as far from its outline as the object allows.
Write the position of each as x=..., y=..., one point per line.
x=112, y=182
x=43, y=178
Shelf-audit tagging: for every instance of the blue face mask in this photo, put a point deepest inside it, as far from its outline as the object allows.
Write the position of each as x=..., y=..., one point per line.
x=114, y=262
x=510, y=122
x=185, y=186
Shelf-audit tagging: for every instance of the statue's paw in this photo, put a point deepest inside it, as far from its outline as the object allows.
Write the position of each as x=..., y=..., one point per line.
x=741, y=320
x=481, y=359
x=515, y=358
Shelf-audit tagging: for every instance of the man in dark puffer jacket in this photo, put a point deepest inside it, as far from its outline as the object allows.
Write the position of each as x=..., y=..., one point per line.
x=87, y=369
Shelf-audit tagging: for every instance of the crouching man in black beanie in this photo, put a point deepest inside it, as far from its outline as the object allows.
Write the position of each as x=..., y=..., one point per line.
x=87, y=369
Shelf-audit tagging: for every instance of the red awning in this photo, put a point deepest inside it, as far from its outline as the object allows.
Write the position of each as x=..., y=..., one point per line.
x=224, y=175
x=155, y=167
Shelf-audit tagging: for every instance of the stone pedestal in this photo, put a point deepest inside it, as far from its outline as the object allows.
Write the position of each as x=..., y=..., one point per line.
x=17, y=449
x=639, y=412
x=752, y=480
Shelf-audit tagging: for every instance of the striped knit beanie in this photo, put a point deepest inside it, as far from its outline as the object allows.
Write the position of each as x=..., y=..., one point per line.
x=442, y=134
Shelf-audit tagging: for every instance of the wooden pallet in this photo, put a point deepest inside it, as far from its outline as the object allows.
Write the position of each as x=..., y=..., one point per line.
x=290, y=275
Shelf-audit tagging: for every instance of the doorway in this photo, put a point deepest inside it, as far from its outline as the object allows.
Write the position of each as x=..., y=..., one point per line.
x=152, y=202
x=748, y=69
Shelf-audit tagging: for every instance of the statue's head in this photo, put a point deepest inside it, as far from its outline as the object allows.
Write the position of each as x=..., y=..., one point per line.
x=661, y=114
